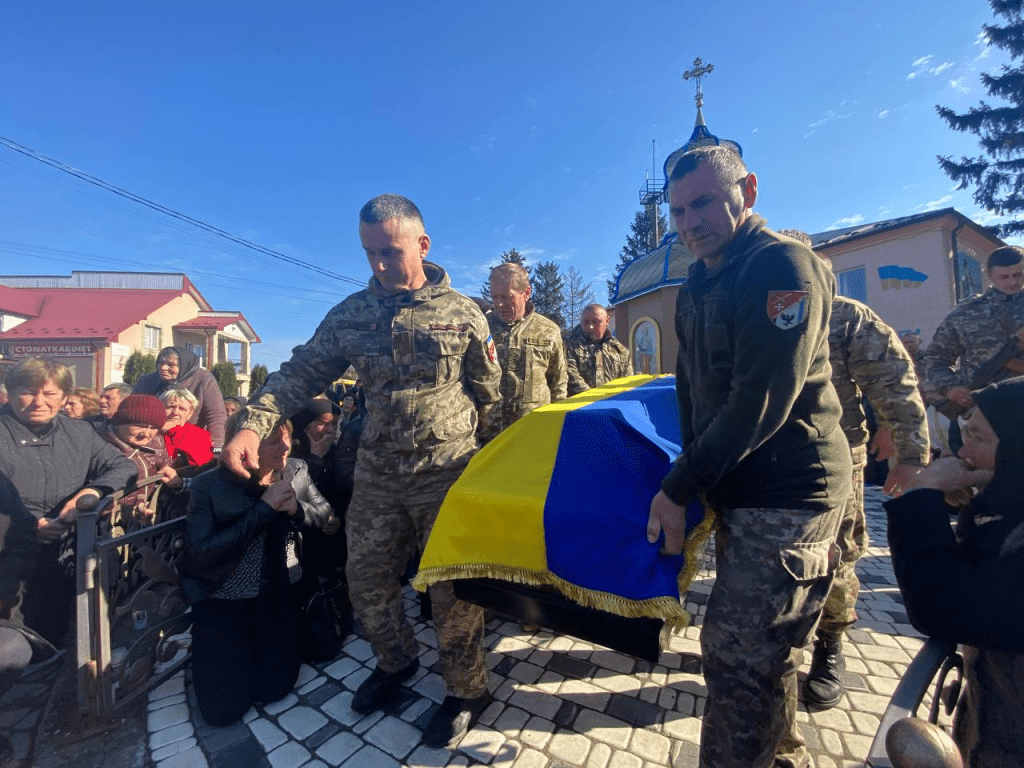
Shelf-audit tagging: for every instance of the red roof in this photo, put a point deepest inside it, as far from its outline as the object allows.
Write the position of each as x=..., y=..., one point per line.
x=15, y=301
x=218, y=323
x=84, y=313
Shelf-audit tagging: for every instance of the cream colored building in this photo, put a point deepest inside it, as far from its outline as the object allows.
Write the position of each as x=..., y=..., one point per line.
x=93, y=321
x=911, y=270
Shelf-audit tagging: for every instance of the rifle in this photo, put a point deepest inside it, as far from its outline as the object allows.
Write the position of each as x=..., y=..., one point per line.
x=1007, y=358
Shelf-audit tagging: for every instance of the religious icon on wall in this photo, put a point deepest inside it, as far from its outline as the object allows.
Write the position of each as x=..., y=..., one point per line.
x=645, y=347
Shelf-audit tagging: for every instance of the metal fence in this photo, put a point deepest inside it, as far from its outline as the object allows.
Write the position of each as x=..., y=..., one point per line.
x=132, y=619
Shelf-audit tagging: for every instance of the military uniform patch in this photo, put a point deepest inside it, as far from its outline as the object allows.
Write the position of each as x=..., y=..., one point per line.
x=492, y=353
x=787, y=309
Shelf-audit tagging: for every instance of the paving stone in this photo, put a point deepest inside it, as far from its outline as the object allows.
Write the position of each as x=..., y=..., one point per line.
x=634, y=711
x=537, y=732
x=277, y=707
x=490, y=713
x=340, y=708
x=311, y=686
x=622, y=759
x=219, y=738
x=190, y=758
x=481, y=744
x=831, y=743
x=301, y=721
x=166, y=701
x=290, y=755
x=566, y=714
x=536, y=702
x=603, y=728
x=342, y=668
x=571, y=668
x=585, y=694
x=680, y=726
x=169, y=687
x=511, y=720
x=322, y=694
x=833, y=718
x=868, y=702
x=569, y=747
x=170, y=735
x=615, y=661
x=172, y=749
x=339, y=748
x=599, y=755
x=617, y=683
x=358, y=649
x=525, y=672
x=504, y=666
x=530, y=758
x=393, y=736
x=416, y=709
x=371, y=757
x=268, y=734
x=353, y=681
x=650, y=745
x=865, y=723
x=856, y=745
x=320, y=736
x=426, y=757
x=431, y=686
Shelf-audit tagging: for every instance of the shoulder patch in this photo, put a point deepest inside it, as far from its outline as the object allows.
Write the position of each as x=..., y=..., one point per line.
x=787, y=309
x=457, y=327
x=492, y=353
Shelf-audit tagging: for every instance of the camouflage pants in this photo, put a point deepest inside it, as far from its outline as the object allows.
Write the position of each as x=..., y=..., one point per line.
x=388, y=517
x=841, y=605
x=774, y=570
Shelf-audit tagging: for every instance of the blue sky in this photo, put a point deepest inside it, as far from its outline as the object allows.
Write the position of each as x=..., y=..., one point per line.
x=524, y=125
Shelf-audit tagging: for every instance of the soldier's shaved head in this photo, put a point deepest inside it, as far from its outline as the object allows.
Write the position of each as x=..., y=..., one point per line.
x=386, y=207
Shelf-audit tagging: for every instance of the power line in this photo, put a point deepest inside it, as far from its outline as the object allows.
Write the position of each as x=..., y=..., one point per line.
x=28, y=152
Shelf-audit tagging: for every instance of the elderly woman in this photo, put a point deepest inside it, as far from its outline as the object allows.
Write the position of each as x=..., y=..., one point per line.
x=241, y=573
x=964, y=586
x=134, y=430
x=52, y=461
x=177, y=367
x=187, y=444
x=82, y=403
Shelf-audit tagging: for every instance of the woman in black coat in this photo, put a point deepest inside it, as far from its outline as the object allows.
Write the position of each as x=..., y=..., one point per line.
x=965, y=586
x=241, y=572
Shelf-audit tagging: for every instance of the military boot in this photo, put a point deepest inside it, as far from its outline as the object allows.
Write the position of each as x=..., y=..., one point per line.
x=824, y=685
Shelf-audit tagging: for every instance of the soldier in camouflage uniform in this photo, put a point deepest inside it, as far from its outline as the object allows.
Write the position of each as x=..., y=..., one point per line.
x=763, y=445
x=973, y=332
x=424, y=355
x=529, y=346
x=593, y=355
x=867, y=360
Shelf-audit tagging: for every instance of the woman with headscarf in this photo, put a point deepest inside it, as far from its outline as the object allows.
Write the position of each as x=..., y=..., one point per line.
x=240, y=571
x=178, y=367
x=964, y=586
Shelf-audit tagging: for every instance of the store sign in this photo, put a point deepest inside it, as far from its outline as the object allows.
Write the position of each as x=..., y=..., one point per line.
x=49, y=349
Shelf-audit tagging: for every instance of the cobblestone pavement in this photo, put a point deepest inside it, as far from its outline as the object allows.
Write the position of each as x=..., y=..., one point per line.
x=557, y=701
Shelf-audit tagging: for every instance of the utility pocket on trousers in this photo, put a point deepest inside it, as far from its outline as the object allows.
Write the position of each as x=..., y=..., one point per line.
x=807, y=562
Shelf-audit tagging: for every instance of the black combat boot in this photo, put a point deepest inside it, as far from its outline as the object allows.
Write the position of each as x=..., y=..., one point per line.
x=824, y=685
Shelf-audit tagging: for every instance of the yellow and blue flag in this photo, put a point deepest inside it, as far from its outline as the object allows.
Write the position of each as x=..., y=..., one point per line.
x=561, y=498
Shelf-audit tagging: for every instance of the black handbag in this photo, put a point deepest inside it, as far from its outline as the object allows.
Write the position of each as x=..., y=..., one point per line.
x=326, y=622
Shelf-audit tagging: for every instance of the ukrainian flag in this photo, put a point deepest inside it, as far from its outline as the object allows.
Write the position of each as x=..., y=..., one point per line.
x=561, y=498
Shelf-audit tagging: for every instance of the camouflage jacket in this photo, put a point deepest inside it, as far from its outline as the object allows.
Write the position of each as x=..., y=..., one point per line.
x=428, y=369
x=972, y=332
x=868, y=360
x=593, y=363
x=532, y=360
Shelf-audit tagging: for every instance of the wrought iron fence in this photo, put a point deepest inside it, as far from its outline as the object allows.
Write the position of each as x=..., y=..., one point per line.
x=132, y=619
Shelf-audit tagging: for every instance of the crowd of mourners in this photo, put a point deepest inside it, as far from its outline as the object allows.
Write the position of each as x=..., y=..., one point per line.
x=333, y=493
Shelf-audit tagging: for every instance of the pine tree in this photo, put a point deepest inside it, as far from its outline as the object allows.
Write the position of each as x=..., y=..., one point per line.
x=224, y=373
x=511, y=256
x=257, y=377
x=577, y=296
x=641, y=240
x=137, y=365
x=998, y=177
x=549, y=292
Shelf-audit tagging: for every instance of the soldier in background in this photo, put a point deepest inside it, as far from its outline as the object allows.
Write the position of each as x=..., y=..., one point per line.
x=424, y=355
x=975, y=331
x=869, y=361
x=593, y=355
x=529, y=346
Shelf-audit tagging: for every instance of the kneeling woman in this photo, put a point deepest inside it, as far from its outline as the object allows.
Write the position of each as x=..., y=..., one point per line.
x=240, y=571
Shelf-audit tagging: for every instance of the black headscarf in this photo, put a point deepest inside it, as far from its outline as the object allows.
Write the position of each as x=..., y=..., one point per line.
x=314, y=409
x=188, y=363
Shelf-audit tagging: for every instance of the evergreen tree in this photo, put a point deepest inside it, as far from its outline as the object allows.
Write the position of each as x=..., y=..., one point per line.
x=998, y=177
x=511, y=256
x=138, y=364
x=224, y=373
x=257, y=377
x=577, y=296
x=648, y=227
x=549, y=292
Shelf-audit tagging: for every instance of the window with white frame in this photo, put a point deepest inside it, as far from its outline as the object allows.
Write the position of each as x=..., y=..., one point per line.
x=151, y=337
x=853, y=284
